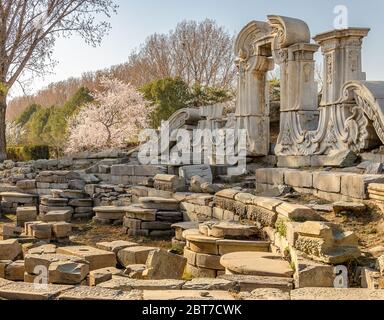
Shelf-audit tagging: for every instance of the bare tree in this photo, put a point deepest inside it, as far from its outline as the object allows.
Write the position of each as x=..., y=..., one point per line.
x=199, y=53
x=28, y=30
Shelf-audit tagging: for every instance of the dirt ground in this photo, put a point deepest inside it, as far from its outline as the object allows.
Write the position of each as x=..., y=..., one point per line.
x=369, y=227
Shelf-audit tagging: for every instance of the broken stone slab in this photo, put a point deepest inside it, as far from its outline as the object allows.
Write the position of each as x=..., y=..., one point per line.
x=149, y=295
x=134, y=255
x=211, y=188
x=10, y=231
x=42, y=231
x=25, y=214
x=337, y=159
x=370, y=279
x=203, y=171
x=135, y=271
x=140, y=213
x=164, y=265
x=211, y=284
x=297, y=212
x=71, y=194
x=10, y=249
x=15, y=271
x=3, y=266
x=67, y=272
x=99, y=294
x=159, y=203
x=38, y=248
x=257, y=264
x=34, y=262
x=31, y=291
x=57, y=216
x=266, y=294
x=22, y=198
x=229, y=230
x=110, y=212
x=331, y=294
x=81, y=203
x=230, y=246
x=126, y=284
x=208, y=261
x=98, y=259
x=115, y=246
x=61, y=229
x=181, y=227
x=156, y=225
x=49, y=201
x=249, y=283
x=198, y=272
x=166, y=182
x=356, y=185
x=227, y=194
x=202, y=244
x=102, y=275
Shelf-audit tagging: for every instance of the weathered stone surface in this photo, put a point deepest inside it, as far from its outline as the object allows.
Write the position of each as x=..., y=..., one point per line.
x=208, y=261
x=230, y=246
x=53, y=202
x=81, y=203
x=10, y=249
x=298, y=178
x=211, y=284
x=61, y=229
x=25, y=214
x=31, y=291
x=198, y=272
x=64, y=272
x=115, y=246
x=228, y=230
x=134, y=255
x=22, y=198
x=15, y=271
x=249, y=283
x=181, y=227
x=140, y=213
x=272, y=176
x=102, y=275
x=163, y=265
x=135, y=271
x=327, y=181
x=156, y=225
x=228, y=194
x=296, y=211
x=267, y=294
x=126, y=284
x=370, y=279
x=356, y=186
x=159, y=203
x=202, y=244
x=349, y=207
x=110, y=212
x=57, y=216
x=97, y=258
x=203, y=171
x=331, y=294
x=255, y=263
x=149, y=295
x=99, y=294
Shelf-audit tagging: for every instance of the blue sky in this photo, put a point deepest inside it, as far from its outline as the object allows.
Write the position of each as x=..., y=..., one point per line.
x=137, y=19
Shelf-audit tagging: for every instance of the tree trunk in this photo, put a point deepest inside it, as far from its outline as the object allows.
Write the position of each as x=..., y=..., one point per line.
x=3, y=142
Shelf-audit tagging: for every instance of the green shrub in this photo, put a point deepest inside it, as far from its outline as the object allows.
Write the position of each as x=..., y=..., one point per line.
x=28, y=152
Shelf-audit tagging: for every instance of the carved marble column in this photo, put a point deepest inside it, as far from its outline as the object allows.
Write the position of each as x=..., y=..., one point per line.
x=252, y=111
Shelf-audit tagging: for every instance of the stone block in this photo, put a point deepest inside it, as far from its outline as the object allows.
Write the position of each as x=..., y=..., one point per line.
x=15, y=271
x=230, y=246
x=57, y=216
x=10, y=249
x=197, y=272
x=61, y=229
x=356, y=186
x=208, y=261
x=327, y=181
x=294, y=162
x=190, y=256
x=99, y=294
x=297, y=212
x=123, y=170
x=31, y=291
x=298, y=178
x=97, y=258
x=272, y=176
x=163, y=265
x=134, y=255
x=126, y=284
x=159, y=203
x=64, y=272
x=156, y=225
x=115, y=246
x=203, y=171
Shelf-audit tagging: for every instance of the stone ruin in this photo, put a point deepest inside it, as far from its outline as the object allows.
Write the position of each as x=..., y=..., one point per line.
x=250, y=237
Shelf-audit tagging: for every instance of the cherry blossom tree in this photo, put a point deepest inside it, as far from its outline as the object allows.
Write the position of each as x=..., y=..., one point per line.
x=113, y=120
